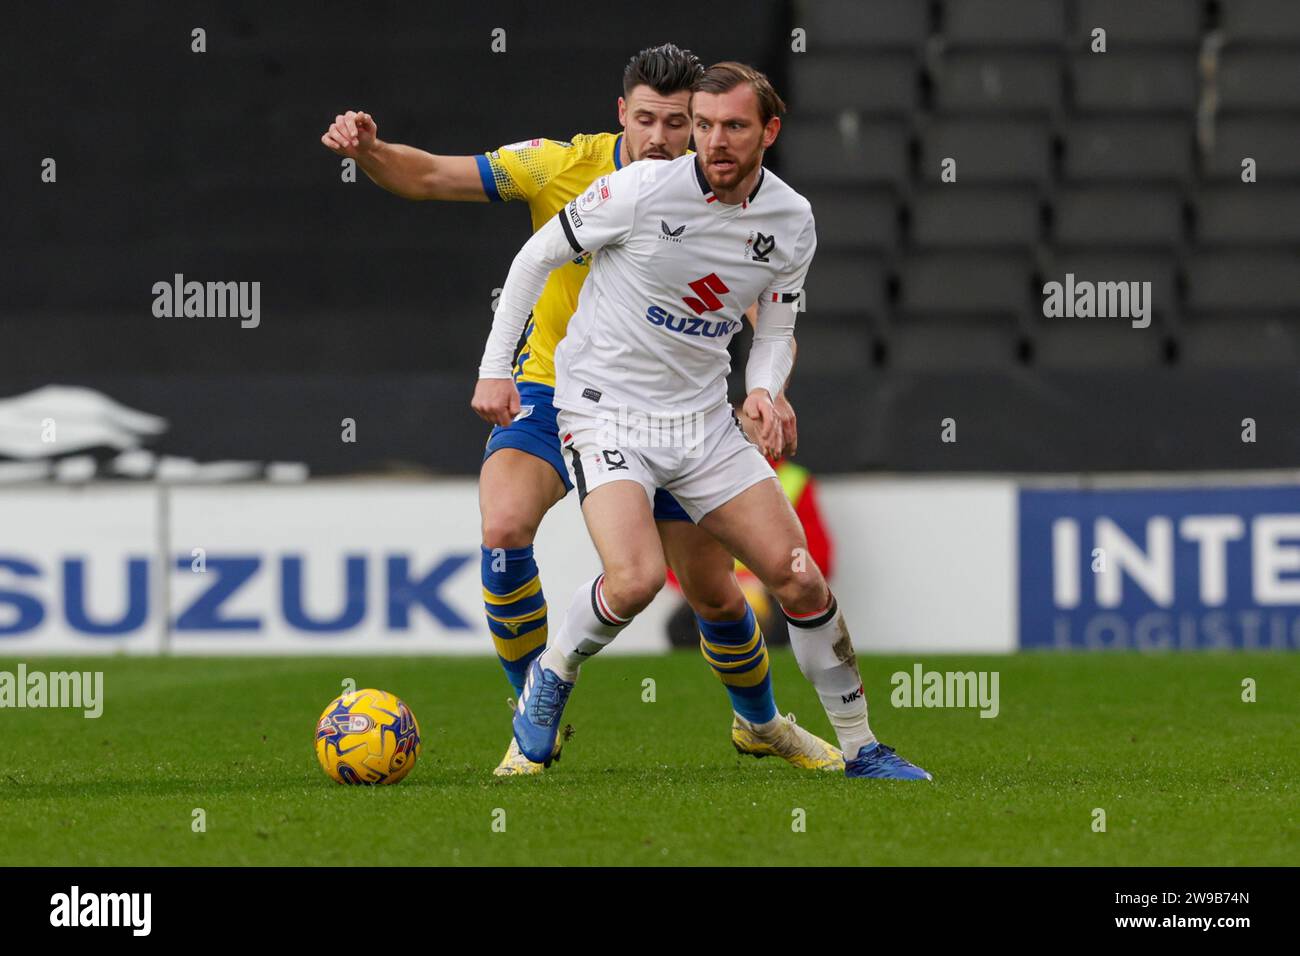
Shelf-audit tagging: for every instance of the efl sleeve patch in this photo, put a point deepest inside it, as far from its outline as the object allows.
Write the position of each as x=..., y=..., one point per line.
x=595, y=195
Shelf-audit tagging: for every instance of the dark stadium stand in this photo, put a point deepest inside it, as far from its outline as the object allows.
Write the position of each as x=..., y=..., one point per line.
x=1122, y=165
x=925, y=299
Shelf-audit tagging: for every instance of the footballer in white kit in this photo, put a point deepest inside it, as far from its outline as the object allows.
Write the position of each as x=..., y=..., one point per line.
x=680, y=248
x=648, y=342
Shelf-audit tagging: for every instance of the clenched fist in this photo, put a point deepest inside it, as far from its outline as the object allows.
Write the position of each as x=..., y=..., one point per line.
x=496, y=400
x=351, y=134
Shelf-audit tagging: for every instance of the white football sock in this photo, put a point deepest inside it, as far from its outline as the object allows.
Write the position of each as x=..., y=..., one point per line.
x=587, y=628
x=824, y=650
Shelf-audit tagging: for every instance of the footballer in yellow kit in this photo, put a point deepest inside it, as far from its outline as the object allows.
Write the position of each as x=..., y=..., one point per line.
x=547, y=174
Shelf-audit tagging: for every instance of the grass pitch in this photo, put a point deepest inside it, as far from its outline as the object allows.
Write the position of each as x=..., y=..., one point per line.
x=1187, y=773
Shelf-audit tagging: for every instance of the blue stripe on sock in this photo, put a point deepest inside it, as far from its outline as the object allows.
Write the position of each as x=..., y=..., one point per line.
x=728, y=632
x=756, y=662
x=756, y=704
x=517, y=608
x=520, y=568
x=517, y=671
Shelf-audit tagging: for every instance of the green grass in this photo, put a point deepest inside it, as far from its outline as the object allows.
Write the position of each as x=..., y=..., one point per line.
x=1187, y=773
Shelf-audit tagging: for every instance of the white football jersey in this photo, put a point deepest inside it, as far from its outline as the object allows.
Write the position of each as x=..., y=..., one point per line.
x=673, y=271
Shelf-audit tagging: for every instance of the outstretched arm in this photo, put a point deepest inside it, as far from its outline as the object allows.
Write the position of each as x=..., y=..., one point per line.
x=403, y=170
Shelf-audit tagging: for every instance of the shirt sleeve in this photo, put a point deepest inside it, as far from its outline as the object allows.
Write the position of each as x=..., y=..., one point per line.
x=522, y=170
x=545, y=251
x=787, y=285
x=602, y=214
x=771, y=357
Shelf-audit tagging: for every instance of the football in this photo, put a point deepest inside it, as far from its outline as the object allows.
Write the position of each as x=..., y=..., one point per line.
x=367, y=737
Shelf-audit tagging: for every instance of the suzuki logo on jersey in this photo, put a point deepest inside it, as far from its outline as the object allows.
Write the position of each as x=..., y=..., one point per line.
x=691, y=325
x=758, y=247
x=671, y=235
x=707, y=289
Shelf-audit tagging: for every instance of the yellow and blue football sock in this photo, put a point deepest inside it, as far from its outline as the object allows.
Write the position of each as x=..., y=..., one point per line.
x=738, y=655
x=516, y=609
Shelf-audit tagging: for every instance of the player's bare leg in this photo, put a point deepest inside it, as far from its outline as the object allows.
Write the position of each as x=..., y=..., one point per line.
x=732, y=642
x=622, y=527
x=516, y=490
x=759, y=527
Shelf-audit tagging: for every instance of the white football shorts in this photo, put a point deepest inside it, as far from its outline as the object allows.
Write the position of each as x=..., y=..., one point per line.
x=703, y=460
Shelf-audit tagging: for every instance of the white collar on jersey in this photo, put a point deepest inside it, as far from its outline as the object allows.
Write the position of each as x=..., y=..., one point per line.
x=708, y=190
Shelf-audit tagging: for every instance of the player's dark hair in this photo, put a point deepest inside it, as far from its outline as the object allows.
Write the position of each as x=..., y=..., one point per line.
x=666, y=69
x=726, y=76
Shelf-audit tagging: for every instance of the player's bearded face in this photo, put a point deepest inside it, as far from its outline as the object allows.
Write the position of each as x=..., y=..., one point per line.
x=656, y=126
x=728, y=135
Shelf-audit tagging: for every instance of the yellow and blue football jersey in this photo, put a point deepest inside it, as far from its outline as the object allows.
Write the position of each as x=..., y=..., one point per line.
x=548, y=173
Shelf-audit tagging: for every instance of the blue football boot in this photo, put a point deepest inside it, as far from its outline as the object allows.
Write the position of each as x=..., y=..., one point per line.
x=880, y=761
x=537, y=716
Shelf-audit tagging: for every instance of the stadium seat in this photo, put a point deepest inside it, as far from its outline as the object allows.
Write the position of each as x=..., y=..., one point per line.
x=1004, y=22
x=831, y=348
x=1249, y=79
x=956, y=283
x=923, y=343
x=1117, y=216
x=1135, y=82
x=881, y=83
x=1237, y=341
x=1248, y=214
x=821, y=150
x=1096, y=343
x=1266, y=280
x=1129, y=150
x=1118, y=265
x=1273, y=142
x=853, y=219
x=864, y=24
x=983, y=82
x=1131, y=22
x=987, y=151
x=951, y=215
x=1261, y=21
x=847, y=285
